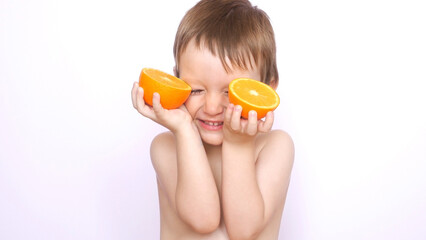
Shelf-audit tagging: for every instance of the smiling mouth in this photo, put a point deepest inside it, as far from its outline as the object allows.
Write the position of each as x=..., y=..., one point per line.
x=211, y=125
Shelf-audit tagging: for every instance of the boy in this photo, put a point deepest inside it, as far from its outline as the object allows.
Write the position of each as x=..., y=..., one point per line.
x=220, y=176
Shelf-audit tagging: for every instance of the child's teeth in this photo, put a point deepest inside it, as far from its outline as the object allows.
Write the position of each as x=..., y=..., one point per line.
x=212, y=124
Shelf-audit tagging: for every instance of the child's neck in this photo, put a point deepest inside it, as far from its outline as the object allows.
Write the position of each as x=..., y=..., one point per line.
x=213, y=151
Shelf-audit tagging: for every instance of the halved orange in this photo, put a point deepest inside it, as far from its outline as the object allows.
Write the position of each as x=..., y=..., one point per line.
x=173, y=91
x=253, y=95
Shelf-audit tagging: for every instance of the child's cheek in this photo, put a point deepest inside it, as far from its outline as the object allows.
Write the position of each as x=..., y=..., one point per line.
x=192, y=104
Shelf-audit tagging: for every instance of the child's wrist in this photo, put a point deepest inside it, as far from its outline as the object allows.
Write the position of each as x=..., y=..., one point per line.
x=185, y=130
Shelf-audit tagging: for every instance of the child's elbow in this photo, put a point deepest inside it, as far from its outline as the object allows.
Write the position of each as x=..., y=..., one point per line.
x=243, y=236
x=243, y=233
x=205, y=226
x=205, y=219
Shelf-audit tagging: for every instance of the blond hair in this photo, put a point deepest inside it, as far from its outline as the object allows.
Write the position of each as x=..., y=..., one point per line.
x=234, y=30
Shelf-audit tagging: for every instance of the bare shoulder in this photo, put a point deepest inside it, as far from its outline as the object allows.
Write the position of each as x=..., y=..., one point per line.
x=276, y=140
x=162, y=138
x=277, y=148
x=280, y=136
x=163, y=150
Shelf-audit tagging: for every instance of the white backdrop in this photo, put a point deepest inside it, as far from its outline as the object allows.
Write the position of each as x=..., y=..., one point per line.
x=74, y=154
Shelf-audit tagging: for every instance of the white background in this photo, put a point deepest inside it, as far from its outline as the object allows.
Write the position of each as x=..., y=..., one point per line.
x=74, y=154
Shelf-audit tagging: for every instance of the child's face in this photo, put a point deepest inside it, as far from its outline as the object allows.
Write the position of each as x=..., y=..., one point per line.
x=209, y=81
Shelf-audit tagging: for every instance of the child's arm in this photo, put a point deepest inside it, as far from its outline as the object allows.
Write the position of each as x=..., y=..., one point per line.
x=253, y=190
x=181, y=164
x=185, y=175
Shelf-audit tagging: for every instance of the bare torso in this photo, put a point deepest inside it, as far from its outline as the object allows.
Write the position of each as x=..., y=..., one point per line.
x=173, y=228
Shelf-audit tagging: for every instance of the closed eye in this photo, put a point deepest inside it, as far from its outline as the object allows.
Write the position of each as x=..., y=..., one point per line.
x=196, y=91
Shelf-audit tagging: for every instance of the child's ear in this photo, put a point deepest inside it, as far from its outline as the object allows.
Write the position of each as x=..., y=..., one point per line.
x=273, y=83
x=176, y=72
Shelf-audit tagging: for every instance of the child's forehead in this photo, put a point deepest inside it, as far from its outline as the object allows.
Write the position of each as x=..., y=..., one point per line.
x=201, y=67
x=196, y=54
x=196, y=48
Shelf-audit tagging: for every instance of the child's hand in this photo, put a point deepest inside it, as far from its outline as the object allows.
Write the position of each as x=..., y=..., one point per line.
x=172, y=119
x=239, y=130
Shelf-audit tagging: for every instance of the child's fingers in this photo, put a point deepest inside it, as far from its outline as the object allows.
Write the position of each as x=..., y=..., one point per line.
x=156, y=105
x=266, y=126
x=228, y=113
x=252, y=123
x=134, y=92
x=140, y=104
x=236, y=118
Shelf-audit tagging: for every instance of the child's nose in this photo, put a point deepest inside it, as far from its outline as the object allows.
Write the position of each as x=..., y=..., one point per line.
x=213, y=104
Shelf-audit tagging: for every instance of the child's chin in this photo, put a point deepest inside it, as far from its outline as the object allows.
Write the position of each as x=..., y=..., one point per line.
x=216, y=141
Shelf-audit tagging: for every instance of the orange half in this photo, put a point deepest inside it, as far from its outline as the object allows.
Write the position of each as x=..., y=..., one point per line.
x=251, y=94
x=173, y=91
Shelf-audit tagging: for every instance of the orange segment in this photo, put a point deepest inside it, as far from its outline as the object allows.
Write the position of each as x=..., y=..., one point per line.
x=173, y=91
x=253, y=95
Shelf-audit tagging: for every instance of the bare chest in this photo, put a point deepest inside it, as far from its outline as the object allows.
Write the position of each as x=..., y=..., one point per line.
x=216, y=167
